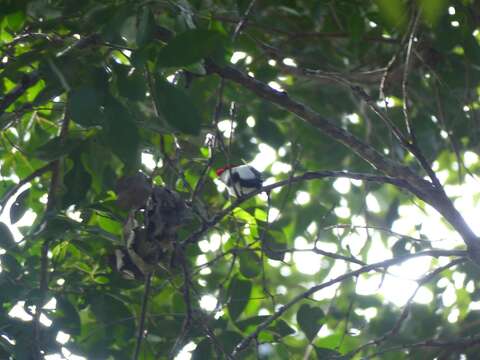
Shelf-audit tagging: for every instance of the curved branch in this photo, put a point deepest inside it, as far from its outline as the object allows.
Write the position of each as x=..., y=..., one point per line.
x=421, y=188
x=310, y=175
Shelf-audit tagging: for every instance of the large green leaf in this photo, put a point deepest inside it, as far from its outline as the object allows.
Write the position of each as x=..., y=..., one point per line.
x=145, y=27
x=250, y=264
x=274, y=245
x=84, y=105
x=189, y=47
x=326, y=354
x=77, y=182
x=121, y=133
x=239, y=295
x=57, y=147
x=203, y=351
x=310, y=319
x=67, y=316
x=176, y=106
x=281, y=329
x=131, y=83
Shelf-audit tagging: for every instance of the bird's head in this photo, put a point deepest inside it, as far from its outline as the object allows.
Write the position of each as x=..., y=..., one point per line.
x=221, y=170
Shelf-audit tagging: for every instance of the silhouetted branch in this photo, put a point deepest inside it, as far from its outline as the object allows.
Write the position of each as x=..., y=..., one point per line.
x=383, y=264
x=27, y=81
x=143, y=313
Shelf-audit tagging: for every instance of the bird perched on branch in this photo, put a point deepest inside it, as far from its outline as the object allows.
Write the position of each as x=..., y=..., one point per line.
x=240, y=180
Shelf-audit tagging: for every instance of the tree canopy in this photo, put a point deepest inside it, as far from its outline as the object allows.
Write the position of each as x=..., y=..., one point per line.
x=363, y=117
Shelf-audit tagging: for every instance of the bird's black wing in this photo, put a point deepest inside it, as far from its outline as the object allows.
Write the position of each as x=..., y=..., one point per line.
x=257, y=173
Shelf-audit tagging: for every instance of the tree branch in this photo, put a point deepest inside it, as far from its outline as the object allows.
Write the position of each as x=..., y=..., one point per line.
x=383, y=264
x=55, y=184
x=27, y=80
x=403, y=316
x=423, y=189
x=311, y=175
x=143, y=313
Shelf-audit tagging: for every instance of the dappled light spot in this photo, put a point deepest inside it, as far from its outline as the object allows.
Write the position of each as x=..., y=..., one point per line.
x=250, y=121
x=372, y=203
x=342, y=185
x=302, y=198
x=186, y=351
x=18, y=311
x=237, y=56
x=208, y=302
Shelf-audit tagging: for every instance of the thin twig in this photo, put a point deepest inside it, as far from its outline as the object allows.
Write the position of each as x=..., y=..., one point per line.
x=243, y=20
x=143, y=313
x=406, y=70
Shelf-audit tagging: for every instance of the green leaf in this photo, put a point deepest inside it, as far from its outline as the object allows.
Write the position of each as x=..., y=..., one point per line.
x=281, y=329
x=260, y=215
x=106, y=308
x=6, y=237
x=229, y=339
x=250, y=264
x=176, y=106
x=274, y=245
x=310, y=319
x=15, y=21
x=121, y=133
x=19, y=207
x=84, y=105
x=145, y=27
x=432, y=10
x=56, y=148
x=131, y=83
x=67, y=316
x=11, y=264
x=326, y=354
x=189, y=47
x=399, y=248
x=239, y=295
x=77, y=182
x=203, y=351
x=394, y=12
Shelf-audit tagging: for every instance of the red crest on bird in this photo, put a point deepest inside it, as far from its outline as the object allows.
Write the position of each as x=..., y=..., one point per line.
x=221, y=170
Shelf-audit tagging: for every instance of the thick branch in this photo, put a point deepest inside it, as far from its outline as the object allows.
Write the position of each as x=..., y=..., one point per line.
x=365, y=151
x=417, y=185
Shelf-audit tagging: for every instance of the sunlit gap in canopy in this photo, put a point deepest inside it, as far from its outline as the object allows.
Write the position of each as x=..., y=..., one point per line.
x=401, y=281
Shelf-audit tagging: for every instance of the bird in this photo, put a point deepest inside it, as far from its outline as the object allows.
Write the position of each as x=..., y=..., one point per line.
x=241, y=180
